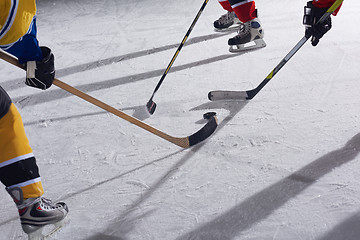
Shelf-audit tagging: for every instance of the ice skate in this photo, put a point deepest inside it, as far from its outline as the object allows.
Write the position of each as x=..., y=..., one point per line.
x=227, y=22
x=39, y=217
x=250, y=36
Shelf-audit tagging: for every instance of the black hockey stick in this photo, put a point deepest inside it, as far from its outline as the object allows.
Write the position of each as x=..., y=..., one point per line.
x=250, y=94
x=151, y=105
x=183, y=142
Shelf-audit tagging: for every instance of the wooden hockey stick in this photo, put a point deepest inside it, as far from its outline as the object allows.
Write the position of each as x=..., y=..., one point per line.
x=183, y=142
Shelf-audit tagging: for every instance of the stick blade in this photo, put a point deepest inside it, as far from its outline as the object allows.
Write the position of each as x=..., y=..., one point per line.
x=151, y=106
x=204, y=132
x=219, y=95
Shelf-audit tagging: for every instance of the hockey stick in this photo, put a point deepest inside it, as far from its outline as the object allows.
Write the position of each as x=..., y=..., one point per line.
x=250, y=94
x=183, y=142
x=151, y=105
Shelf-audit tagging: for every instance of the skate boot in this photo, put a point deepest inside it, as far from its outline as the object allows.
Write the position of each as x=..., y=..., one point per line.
x=36, y=213
x=227, y=22
x=250, y=36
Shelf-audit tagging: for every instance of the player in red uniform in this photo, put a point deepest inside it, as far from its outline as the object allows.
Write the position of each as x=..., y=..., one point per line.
x=314, y=10
x=241, y=12
x=245, y=14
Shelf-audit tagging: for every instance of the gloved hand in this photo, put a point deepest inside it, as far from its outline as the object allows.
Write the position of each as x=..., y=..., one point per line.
x=41, y=74
x=312, y=15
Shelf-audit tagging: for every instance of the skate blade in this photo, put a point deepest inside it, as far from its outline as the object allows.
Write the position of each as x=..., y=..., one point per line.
x=258, y=43
x=47, y=231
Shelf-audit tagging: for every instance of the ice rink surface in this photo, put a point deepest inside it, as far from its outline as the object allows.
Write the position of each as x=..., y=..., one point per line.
x=284, y=165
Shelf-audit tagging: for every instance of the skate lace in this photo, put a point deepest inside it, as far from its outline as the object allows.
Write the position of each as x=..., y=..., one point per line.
x=243, y=30
x=47, y=204
x=227, y=17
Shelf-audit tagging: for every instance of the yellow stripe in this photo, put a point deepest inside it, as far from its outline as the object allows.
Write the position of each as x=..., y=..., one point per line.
x=24, y=16
x=335, y=5
x=270, y=75
x=13, y=140
x=33, y=190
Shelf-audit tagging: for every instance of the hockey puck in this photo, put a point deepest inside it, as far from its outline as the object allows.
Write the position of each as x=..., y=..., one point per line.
x=209, y=115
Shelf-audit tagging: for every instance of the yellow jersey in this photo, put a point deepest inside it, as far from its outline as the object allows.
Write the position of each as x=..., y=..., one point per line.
x=16, y=17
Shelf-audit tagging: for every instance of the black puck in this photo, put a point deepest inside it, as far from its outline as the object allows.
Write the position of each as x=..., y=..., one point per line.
x=209, y=115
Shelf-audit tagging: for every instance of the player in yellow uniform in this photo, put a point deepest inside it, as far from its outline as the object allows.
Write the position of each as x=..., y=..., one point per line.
x=18, y=169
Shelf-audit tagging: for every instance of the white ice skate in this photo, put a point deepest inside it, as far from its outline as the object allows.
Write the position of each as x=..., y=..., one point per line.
x=227, y=22
x=39, y=217
x=250, y=36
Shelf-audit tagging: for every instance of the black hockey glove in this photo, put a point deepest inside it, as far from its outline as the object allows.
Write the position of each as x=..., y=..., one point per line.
x=41, y=74
x=312, y=14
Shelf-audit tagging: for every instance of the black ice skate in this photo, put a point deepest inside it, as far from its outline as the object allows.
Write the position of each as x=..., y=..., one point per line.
x=227, y=22
x=250, y=36
x=39, y=217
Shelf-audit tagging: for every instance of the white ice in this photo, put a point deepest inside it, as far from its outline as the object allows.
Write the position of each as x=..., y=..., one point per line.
x=284, y=165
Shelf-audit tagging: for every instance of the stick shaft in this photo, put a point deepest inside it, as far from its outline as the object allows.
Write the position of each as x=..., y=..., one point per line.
x=179, y=48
